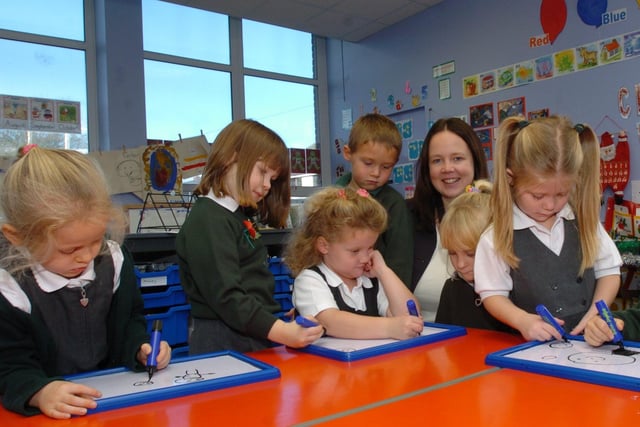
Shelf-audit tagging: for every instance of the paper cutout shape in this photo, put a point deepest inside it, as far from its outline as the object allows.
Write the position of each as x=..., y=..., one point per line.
x=590, y=11
x=553, y=17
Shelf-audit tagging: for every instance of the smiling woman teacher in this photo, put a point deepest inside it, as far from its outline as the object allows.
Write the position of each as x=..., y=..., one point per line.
x=451, y=159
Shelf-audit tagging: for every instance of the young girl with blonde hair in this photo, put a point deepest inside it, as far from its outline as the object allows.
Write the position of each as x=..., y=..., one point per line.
x=546, y=244
x=340, y=279
x=466, y=218
x=69, y=298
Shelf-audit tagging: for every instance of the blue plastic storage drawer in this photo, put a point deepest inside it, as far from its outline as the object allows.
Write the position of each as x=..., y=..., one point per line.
x=168, y=276
x=283, y=284
x=277, y=266
x=173, y=295
x=175, y=324
x=285, y=301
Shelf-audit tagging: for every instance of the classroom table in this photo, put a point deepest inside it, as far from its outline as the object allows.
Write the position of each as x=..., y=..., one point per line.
x=504, y=397
x=310, y=387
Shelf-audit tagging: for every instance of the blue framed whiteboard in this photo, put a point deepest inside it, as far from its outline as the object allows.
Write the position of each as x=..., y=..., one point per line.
x=348, y=350
x=575, y=360
x=121, y=387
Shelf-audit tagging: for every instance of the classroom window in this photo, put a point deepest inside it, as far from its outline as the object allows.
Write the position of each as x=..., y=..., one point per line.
x=184, y=31
x=199, y=102
x=276, y=49
x=199, y=79
x=42, y=57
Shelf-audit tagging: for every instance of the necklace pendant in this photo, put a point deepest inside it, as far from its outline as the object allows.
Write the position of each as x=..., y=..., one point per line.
x=84, y=301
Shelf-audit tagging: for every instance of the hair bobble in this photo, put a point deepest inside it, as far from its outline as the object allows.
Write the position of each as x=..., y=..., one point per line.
x=579, y=128
x=471, y=189
x=523, y=124
x=342, y=194
x=362, y=192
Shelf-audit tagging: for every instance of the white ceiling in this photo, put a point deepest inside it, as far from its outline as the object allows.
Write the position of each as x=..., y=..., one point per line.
x=349, y=20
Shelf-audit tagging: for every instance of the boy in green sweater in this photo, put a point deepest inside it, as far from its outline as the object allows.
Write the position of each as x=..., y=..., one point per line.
x=373, y=150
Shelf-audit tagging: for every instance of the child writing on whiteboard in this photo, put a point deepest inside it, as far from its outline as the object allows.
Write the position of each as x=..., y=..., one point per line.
x=69, y=299
x=223, y=262
x=467, y=216
x=546, y=244
x=340, y=279
x=598, y=331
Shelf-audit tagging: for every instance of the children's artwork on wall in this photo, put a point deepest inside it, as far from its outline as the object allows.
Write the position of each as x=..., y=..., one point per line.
x=162, y=169
x=536, y=114
x=488, y=82
x=193, y=153
x=525, y=72
x=632, y=44
x=587, y=56
x=564, y=61
x=405, y=127
x=414, y=147
x=510, y=107
x=313, y=161
x=481, y=115
x=470, y=86
x=424, y=91
x=611, y=50
x=297, y=160
x=505, y=77
x=544, y=67
x=123, y=169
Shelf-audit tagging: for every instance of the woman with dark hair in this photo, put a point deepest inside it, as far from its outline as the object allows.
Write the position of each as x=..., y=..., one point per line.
x=451, y=159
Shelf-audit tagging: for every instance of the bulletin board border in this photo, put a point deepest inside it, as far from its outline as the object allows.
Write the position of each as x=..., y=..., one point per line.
x=447, y=331
x=265, y=372
x=500, y=359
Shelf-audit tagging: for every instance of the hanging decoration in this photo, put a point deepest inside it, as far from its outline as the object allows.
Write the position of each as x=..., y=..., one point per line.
x=553, y=17
x=162, y=169
x=590, y=11
x=614, y=163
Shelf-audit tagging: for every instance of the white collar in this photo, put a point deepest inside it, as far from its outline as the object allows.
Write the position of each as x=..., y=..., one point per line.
x=51, y=282
x=334, y=280
x=521, y=221
x=226, y=202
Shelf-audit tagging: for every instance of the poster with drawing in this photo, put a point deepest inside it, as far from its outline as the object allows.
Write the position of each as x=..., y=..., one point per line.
x=193, y=153
x=122, y=168
x=577, y=360
x=121, y=387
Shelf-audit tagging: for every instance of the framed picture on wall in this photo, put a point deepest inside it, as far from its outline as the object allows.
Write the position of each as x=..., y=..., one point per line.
x=481, y=115
x=486, y=139
x=444, y=88
x=543, y=112
x=510, y=108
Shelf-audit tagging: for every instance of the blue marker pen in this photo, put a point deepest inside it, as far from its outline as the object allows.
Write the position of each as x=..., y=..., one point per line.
x=156, y=332
x=548, y=317
x=411, y=306
x=606, y=315
x=305, y=323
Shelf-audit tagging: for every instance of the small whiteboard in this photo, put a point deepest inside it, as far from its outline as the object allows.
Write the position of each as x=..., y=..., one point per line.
x=348, y=350
x=121, y=387
x=575, y=360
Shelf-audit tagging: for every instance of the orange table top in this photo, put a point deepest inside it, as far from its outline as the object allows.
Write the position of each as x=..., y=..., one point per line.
x=503, y=398
x=310, y=387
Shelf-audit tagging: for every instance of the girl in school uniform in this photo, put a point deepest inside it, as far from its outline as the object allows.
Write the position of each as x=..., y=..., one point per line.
x=546, y=244
x=69, y=299
x=340, y=279
x=467, y=216
x=223, y=263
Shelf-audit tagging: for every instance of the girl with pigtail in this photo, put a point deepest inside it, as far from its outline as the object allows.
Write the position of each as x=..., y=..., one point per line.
x=341, y=281
x=546, y=244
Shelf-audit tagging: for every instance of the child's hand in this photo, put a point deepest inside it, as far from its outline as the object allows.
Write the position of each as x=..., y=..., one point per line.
x=163, y=358
x=534, y=328
x=376, y=265
x=404, y=327
x=62, y=399
x=293, y=335
x=597, y=332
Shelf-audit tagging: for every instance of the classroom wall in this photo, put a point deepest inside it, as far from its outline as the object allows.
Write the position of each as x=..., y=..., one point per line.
x=481, y=36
